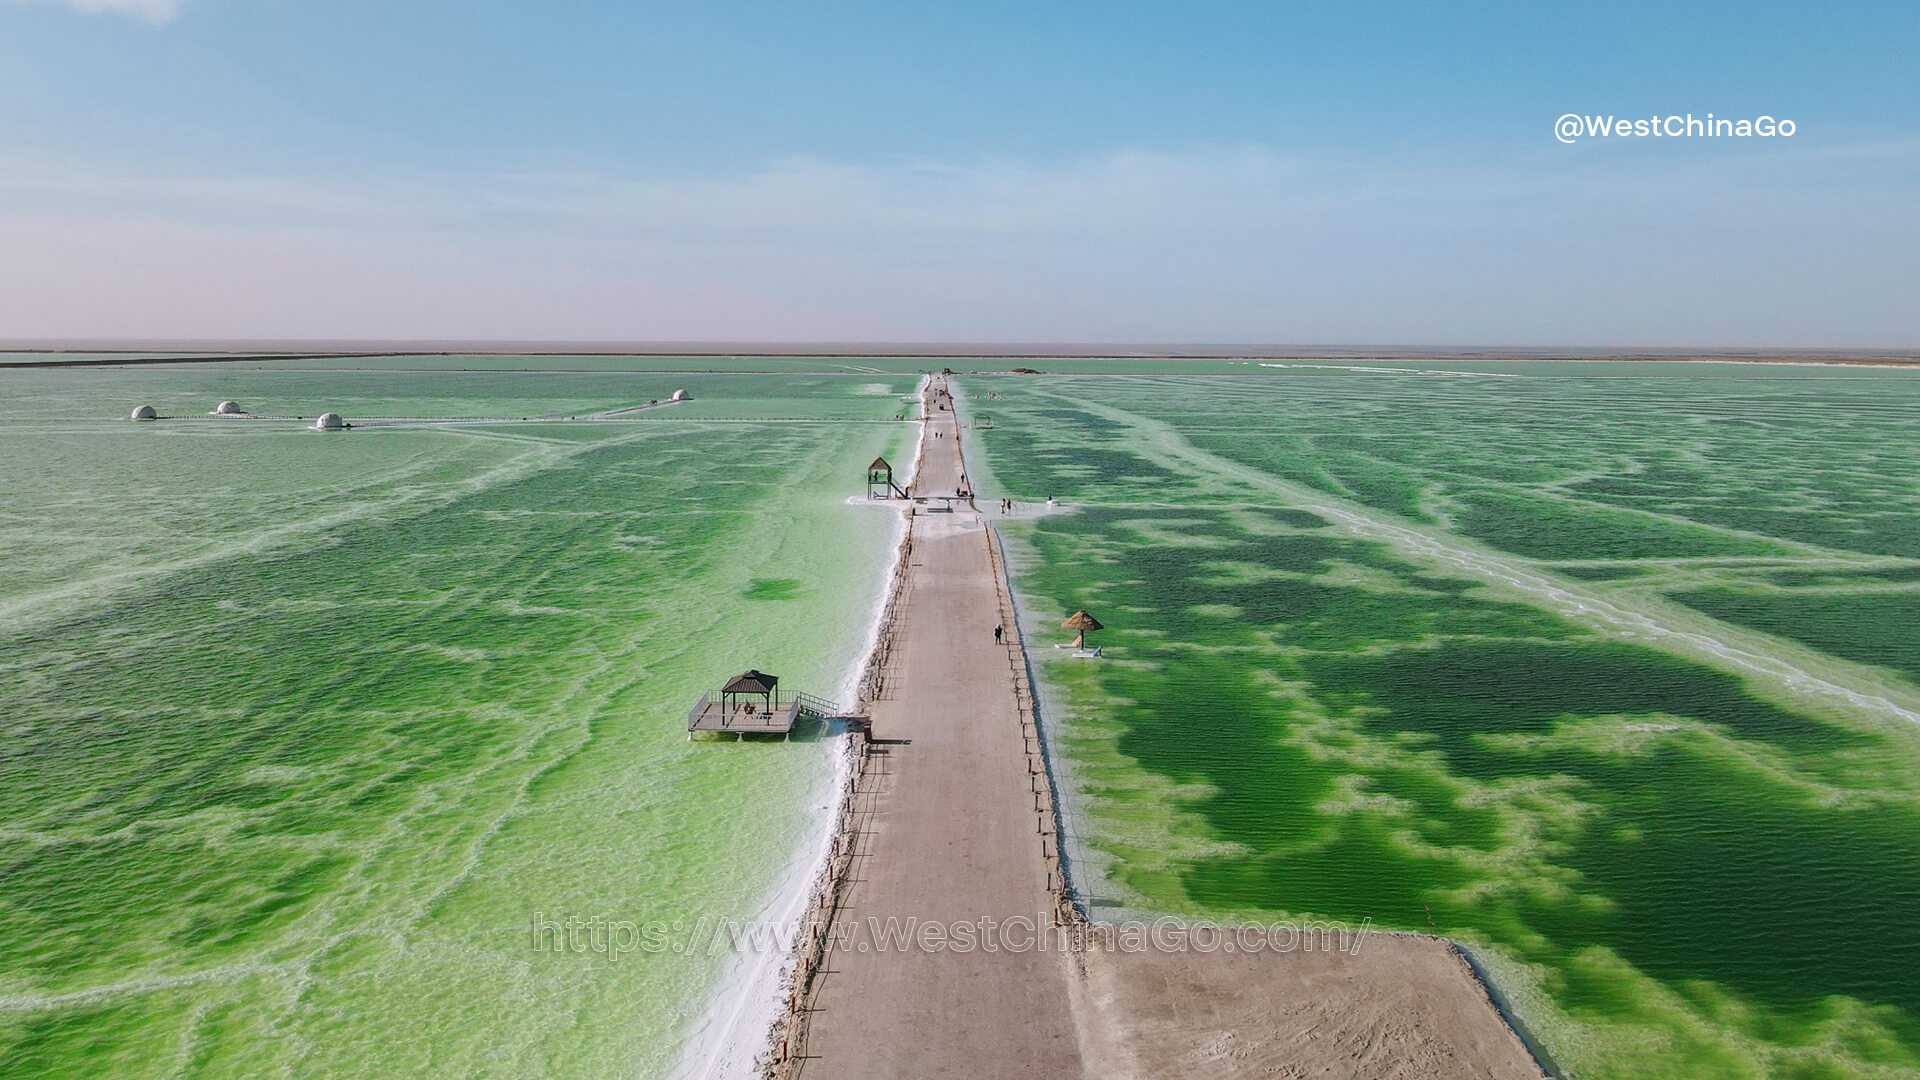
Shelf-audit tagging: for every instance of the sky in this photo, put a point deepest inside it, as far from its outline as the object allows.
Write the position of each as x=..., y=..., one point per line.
x=1364, y=173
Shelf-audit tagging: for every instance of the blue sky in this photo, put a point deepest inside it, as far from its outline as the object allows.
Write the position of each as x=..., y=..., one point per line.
x=1379, y=173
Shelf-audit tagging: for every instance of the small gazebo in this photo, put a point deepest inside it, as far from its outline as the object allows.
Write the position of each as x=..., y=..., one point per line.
x=880, y=476
x=744, y=687
x=1083, y=623
x=751, y=704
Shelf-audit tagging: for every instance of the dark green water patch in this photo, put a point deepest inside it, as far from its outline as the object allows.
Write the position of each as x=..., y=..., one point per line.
x=1056, y=467
x=1868, y=532
x=1543, y=527
x=1804, y=899
x=1078, y=422
x=1869, y=628
x=1459, y=691
x=1292, y=587
x=1842, y=578
x=774, y=589
x=1299, y=519
x=1353, y=872
x=1601, y=573
x=1359, y=473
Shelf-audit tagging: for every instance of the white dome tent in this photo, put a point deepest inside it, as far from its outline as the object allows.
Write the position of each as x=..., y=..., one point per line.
x=145, y=412
x=228, y=408
x=330, y=422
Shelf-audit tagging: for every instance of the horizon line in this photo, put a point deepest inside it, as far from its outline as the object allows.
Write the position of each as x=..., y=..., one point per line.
x=188, y=349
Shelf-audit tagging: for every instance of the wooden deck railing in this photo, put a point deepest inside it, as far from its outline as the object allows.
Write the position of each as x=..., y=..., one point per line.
x=778, y=715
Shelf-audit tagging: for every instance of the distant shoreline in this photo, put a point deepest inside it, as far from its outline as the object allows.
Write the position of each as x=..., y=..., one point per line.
x=51, y=354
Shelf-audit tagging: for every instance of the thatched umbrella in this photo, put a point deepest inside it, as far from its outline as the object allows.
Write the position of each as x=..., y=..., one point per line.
x=1084, y=623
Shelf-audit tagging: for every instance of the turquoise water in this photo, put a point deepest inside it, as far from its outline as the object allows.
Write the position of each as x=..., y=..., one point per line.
x=303, y=729
x=1612, y=678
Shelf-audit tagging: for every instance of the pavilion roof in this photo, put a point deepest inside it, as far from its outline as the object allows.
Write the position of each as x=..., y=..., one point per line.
x=751, y=681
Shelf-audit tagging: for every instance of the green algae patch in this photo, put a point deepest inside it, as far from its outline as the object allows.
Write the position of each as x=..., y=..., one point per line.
x=1357, y=673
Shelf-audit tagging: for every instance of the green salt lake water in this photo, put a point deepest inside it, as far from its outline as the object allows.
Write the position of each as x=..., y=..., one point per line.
x=1606, y=670
x=302, y=729
x=1610, y=671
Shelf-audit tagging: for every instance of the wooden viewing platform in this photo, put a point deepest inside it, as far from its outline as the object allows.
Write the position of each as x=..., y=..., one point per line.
x=751, y=704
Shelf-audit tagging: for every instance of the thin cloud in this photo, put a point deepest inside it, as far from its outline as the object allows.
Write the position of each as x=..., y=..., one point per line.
x=158, y=12
x=1770, y=246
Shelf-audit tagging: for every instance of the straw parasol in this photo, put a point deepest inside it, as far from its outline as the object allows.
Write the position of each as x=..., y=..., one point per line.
x=1084, y=623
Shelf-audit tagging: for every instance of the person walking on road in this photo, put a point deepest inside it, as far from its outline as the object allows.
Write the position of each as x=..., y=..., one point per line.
x=997, y=631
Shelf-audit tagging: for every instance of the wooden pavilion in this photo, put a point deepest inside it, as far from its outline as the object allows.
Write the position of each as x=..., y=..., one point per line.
x=751, y=704
x=880, y=478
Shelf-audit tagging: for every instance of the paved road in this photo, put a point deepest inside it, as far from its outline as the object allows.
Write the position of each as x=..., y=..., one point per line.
x=952, y=837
